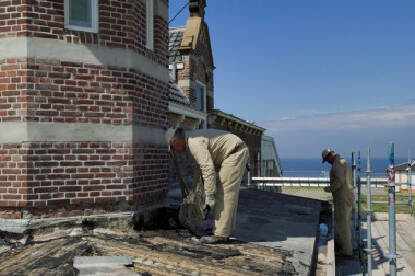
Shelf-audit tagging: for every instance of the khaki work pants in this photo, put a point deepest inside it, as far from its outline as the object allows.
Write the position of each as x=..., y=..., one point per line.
x=342, y=215
x=227, y=194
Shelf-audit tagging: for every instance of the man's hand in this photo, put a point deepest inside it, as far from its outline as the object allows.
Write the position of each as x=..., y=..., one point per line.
x=327, y=189
x=209, y=202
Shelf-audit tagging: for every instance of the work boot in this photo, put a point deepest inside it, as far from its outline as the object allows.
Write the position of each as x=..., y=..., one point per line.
x=213, y=239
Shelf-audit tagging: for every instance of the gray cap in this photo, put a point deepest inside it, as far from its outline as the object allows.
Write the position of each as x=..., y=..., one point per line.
x=325, y=153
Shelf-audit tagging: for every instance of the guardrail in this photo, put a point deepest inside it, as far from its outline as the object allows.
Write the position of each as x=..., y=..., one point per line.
x=308, y=181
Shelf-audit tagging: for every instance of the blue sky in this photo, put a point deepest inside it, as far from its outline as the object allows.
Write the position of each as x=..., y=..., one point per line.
x=346, y=67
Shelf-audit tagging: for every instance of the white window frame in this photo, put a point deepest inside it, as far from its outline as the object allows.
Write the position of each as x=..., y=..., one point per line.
x=150, y=24
x=94, y=19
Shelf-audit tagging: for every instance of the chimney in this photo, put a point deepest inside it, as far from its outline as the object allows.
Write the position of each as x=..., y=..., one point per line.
x=197, y=8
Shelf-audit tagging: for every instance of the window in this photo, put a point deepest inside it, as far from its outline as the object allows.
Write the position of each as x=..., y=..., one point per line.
x=81, y=15
x=150, y=24
x=200, y=94
x=202, y=124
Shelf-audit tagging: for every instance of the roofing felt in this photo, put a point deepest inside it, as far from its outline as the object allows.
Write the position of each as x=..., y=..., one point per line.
x=176, y=94
x=175, y=40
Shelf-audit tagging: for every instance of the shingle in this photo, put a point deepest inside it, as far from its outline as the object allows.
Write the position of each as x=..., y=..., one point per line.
x=175, y=40
x=176, y=94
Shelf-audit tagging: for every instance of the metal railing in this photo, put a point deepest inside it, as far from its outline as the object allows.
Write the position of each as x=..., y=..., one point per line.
x=369, y=182
x=308, y=181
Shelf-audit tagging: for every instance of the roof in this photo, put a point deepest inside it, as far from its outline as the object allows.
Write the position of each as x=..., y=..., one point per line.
x=404, y=166
x=167, y=249
x=176, y=94
x=175, y=40
x=234, y=118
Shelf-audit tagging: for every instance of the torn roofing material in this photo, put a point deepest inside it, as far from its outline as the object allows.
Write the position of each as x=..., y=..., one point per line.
x=275, y=235
x=162, y=252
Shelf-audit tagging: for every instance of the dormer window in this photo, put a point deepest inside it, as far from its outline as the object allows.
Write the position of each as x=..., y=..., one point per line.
x=81, y=15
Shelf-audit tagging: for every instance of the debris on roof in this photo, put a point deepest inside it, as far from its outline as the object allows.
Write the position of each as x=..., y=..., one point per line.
x=275, y=235
x=163, y=252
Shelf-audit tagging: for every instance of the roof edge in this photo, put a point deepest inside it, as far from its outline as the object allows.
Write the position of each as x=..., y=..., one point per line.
x=235, y=118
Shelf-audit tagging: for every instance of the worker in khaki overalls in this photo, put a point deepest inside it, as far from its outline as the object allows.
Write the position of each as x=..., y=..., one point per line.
x=216, y=150
x=342, y=190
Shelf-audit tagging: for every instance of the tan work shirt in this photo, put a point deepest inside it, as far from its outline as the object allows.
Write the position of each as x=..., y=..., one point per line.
x=209, y=147
x=341, y=180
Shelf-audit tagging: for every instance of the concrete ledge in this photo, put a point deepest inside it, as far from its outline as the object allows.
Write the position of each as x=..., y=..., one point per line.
x=67, y=132
x=46, y=48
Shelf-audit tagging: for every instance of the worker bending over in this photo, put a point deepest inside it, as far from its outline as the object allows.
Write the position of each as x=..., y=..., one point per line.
x=221, y=159
x=342, y=190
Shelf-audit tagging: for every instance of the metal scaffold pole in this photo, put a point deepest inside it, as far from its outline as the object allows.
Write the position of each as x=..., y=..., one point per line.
x=354, y=195
x=411, y=211
x=369, y=217
x=391, y=202
x=359, y=219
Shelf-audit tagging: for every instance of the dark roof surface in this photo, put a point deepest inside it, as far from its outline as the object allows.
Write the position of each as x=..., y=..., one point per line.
x=176, y=94
x=175, y=40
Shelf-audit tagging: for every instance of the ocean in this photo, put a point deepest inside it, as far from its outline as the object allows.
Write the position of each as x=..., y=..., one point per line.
x=314, y=167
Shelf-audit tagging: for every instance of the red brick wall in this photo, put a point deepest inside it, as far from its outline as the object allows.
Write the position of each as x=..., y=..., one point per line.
x=72, y=173
x=44, y=90
x=121, y=25
x=191, y=71
x=72, y=176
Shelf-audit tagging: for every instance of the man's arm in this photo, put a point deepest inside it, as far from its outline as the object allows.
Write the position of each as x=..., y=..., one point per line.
x=199, y=150
x=338, y=178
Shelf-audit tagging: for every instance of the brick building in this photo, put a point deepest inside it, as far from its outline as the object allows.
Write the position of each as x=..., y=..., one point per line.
x=249, y=132
x=191, y=66
x=191, y=60
x=83, y=106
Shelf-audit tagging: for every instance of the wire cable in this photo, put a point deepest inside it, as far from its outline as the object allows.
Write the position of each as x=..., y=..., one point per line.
x=177, y=14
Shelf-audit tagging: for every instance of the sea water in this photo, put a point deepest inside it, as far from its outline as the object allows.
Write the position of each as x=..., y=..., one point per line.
x=314, y=168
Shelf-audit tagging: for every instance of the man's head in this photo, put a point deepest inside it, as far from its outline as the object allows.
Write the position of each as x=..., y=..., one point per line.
x=328, y=155
x=178, y=141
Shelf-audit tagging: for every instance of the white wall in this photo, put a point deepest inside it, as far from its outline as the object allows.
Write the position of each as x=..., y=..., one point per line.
x=401, y=177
